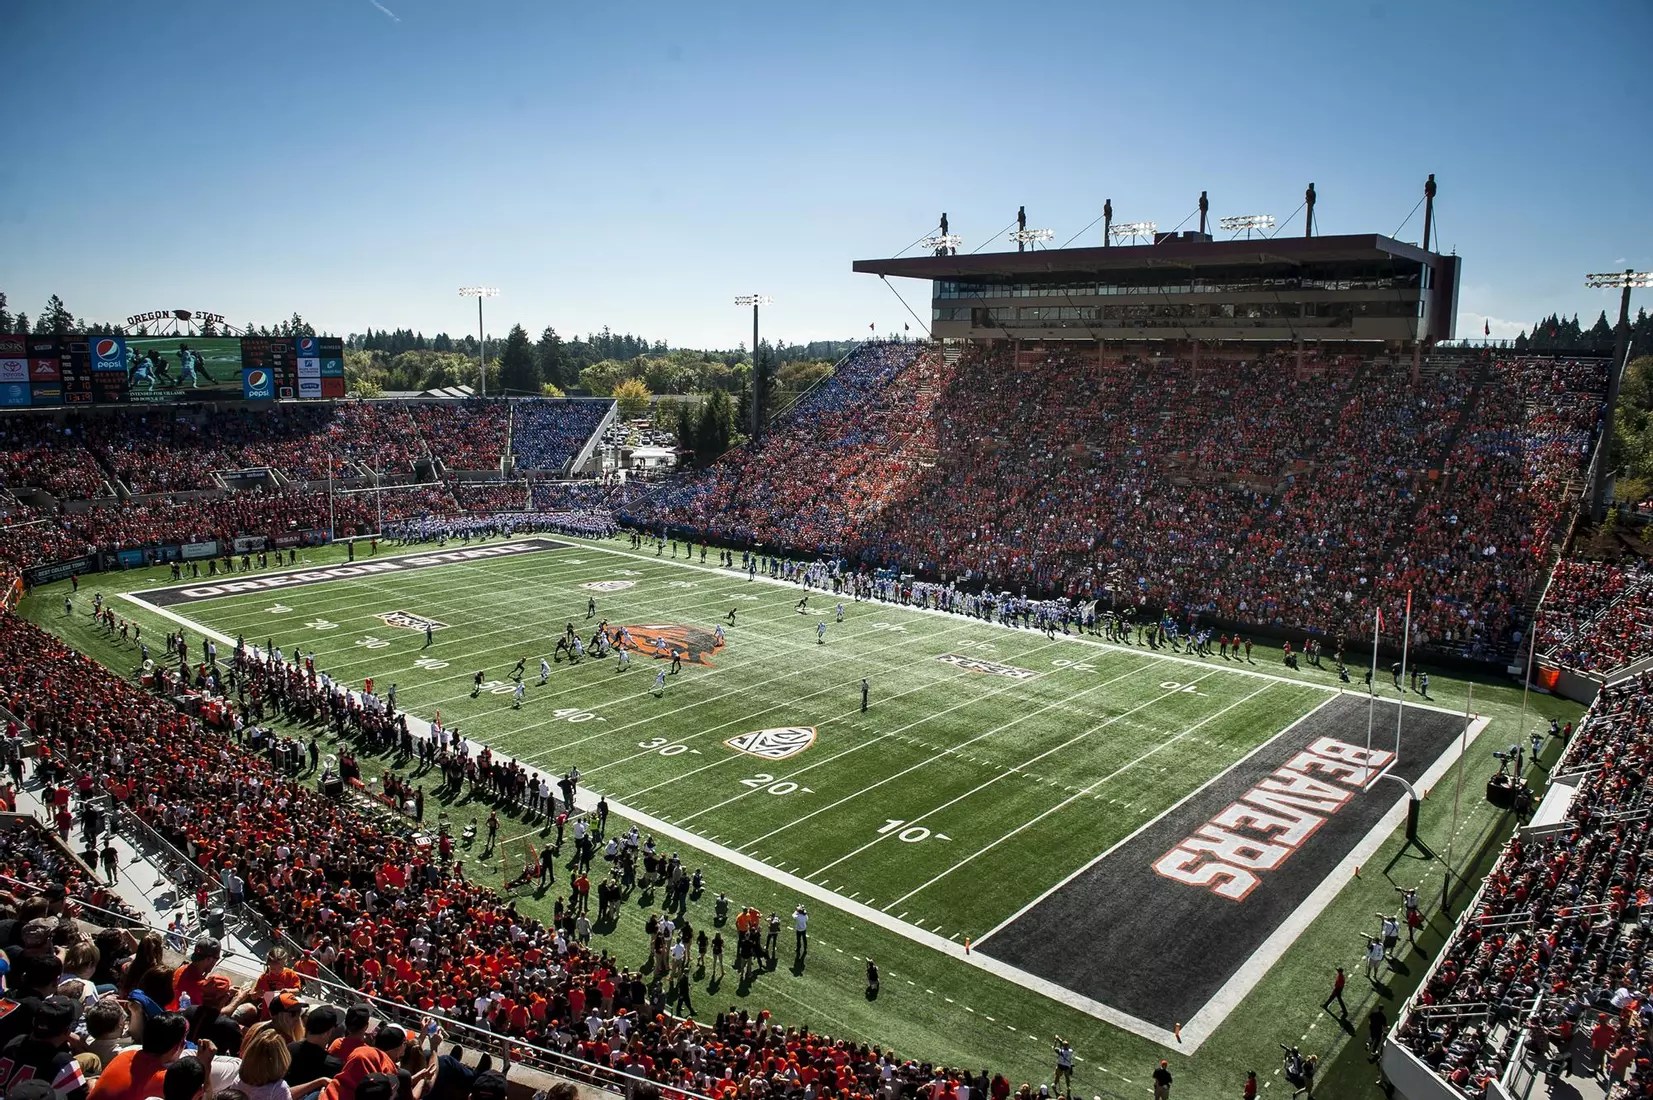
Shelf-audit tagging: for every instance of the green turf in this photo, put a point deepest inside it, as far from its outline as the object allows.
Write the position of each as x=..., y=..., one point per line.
x=1025, y=779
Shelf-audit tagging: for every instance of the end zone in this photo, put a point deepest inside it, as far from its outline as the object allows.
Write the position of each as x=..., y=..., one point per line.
x=242, y=583
x=1177, y=922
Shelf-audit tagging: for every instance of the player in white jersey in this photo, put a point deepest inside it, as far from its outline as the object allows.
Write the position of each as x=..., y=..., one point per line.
x=625, y=661
x=545, y=671
x=717, y=635
x=186, y=368
x=820, y=633
x=840, y=613
x=659, y=682
x=516, y=694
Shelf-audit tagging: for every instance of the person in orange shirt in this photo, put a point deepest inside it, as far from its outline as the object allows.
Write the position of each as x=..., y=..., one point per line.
x=138, y=1072
x=379, y=1056
x=191, y=978
x=277, y=976
x=356, y=1021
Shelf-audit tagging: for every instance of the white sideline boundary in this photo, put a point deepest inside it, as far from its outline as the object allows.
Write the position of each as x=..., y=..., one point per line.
x=1195, y=1031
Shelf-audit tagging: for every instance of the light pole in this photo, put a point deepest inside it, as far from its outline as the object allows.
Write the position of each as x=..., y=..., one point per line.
x=1133, y=231
x=479, y=293
x=755, y=301
x=1247, y=224
x=1626, y=281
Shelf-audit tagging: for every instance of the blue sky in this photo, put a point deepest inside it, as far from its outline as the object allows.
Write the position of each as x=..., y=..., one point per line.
x=639, y=164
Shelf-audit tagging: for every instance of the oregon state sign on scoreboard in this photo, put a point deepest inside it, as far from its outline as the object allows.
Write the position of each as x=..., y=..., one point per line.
x=1267, y=824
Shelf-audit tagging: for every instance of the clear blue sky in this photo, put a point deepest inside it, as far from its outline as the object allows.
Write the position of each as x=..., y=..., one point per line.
x=638, y=164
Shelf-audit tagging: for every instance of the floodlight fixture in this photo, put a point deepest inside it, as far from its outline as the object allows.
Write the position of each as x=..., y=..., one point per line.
x=1248, y=223
x=1031, y=236
x=754, y=300
x=940, y=242
x=1133, y=230
x=479, y=293
x=1619, y=280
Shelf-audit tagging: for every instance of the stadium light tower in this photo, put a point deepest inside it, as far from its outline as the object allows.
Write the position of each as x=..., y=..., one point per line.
x=1625, y=281
x=1246, y=223
x=942, y=244
x=1131, y=231
x=479, y=293
x=1025, y=237
x=756, y=301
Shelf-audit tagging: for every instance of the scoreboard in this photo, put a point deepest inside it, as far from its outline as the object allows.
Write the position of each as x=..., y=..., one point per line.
x=304, y=367
x=45, y=371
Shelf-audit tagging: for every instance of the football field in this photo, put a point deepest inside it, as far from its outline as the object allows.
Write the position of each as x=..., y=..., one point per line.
x=992, y=768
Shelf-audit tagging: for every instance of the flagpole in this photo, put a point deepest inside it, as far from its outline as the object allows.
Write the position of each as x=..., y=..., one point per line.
x=332, y=524
x=1532, y=647
x=1405, y=641
x=1371, y=682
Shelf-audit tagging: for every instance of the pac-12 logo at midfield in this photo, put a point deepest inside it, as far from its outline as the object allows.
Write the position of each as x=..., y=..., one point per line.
x=407, y=620
x=609, y=586
x=774, y=744
x=694, y=643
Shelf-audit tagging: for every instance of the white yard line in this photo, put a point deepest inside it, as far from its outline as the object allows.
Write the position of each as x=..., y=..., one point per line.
x=932, y=759
x=865, y=744
x=1083, y=792
x=978, y=788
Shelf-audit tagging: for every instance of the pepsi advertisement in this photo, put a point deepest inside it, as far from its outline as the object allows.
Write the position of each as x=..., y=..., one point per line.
x=51, y=371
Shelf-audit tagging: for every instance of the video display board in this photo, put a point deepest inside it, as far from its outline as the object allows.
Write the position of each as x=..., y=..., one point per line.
x=47, y=371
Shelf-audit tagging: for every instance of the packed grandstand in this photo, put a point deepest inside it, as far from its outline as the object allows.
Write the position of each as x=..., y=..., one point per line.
x=1282, y=492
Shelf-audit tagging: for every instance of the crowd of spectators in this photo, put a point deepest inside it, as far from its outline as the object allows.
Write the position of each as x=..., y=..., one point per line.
x=1597, y=616
x=490, y=496
x=546, y=432
x=166, y=450
x=465, y=435
x=1556, y=948
x=825, y=471
x=39, y=452
x=1264, y=491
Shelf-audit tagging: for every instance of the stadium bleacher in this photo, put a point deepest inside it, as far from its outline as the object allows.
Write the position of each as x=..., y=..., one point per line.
x=1263, y=491
x=546, y=433
x=1554, y=951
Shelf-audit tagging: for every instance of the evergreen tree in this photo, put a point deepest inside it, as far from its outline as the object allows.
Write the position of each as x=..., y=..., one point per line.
x=23, y=323
x=1600, y=334
x=55, y=318
x=443, y=342
x=716, y=426
x=552, y=363
x=519, y=371
x=5, y=314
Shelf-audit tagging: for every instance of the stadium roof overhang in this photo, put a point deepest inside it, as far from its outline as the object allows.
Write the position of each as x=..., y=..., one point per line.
x=1183, y=255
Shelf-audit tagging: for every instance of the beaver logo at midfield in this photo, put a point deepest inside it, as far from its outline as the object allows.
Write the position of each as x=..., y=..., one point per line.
x=693, y=642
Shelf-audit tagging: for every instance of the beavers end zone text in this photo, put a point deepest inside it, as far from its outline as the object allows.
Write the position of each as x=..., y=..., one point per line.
x=242, y=583
x=1158, y=925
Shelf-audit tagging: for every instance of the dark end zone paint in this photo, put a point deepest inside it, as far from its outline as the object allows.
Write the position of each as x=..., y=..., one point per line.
x=242, y=584
x=1160, y=949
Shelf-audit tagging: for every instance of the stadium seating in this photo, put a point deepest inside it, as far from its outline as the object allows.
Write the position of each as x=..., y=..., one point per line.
x=490, y=496
x=1262, y=491
x=465, y=435
x=1553, y=946
x=1597, y=616
x=38, y=452
x=830, y=466
x=546, y=433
